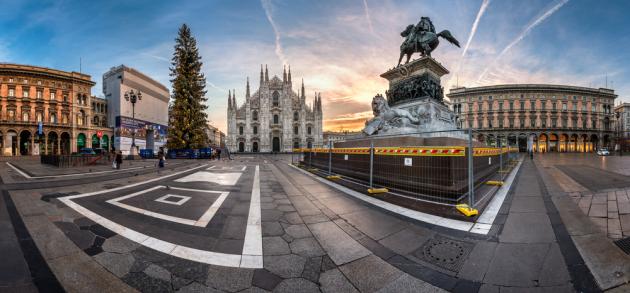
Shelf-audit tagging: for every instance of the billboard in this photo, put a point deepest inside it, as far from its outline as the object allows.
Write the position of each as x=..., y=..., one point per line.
x=148, y=134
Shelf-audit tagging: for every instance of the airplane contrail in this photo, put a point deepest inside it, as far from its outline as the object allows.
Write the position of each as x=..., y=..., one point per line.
x=523, y=34
x=473, y=30
x=367, y=15
x=266, y=4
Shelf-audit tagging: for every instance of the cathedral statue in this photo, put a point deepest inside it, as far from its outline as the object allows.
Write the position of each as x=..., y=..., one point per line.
x=422, y=39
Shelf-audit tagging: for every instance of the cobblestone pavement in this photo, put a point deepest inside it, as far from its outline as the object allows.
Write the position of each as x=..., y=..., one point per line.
x=600, y=186
x=314, y=238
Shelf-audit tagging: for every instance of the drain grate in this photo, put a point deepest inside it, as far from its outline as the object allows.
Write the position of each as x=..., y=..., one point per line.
x=624, y=244
x=444, y=252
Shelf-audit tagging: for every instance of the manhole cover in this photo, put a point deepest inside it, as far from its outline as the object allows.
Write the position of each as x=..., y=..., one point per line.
x=444, y=252
x=624, y=244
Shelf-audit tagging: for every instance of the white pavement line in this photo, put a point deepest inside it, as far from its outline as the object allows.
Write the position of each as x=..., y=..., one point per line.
x=181, y=201
x=201, y=222
x=209, y=214
x=484, y=222
x=193, y=254
x=252, y=246
x=70, y=175
x=19, y=171
x=412, y=214
x=133, y=185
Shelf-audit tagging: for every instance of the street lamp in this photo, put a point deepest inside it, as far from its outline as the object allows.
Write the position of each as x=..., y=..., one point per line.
x=133, y=97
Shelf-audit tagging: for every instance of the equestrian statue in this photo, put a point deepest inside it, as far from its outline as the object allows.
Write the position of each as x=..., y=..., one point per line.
x=422, y=39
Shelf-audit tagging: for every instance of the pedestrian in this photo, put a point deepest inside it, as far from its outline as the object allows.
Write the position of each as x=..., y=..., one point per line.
x=531, y=154
x=229, y=155
x=219, y=154
x=118, y=159
x=161, y=158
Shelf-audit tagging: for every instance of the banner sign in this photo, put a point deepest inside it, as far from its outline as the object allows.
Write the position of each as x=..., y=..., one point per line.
x=99, y=133
x=40, y=128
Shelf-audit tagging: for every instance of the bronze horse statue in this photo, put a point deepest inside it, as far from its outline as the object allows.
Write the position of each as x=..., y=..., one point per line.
x=422, y=38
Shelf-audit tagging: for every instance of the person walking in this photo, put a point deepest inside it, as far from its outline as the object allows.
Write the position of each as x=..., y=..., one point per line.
x=118, y=159
x=161, y=158
x=219, y=154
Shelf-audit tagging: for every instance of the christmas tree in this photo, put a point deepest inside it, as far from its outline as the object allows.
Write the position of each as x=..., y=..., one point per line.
x=187, y=112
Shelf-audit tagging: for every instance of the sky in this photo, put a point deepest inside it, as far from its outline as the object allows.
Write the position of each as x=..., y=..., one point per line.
x=338, y=47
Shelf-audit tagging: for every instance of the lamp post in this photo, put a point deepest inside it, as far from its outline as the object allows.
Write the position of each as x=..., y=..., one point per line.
x=133, y=97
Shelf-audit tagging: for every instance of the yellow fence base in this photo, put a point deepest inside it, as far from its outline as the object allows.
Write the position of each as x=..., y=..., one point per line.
x=331, y=177
x=467, y=210
x=377, y=190
x=494, y=182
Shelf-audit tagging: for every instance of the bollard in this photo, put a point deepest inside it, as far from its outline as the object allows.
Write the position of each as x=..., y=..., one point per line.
x=371, y=162
x=501, y=159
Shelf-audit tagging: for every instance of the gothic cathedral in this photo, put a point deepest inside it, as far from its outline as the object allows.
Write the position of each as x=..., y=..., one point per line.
x=274, y=118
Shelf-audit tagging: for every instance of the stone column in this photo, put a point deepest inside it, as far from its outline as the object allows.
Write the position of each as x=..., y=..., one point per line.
x=58, y=145
x=32, y=146
x=45, y=144
x=19, y=143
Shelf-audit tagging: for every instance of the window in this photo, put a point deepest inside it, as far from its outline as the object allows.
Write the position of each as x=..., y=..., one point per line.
x=500, y=106
x=554, y=123
x=565, y=123
x=10, y=79
x=511, y=105
x=64, y=118
x=53, y=118
x=543, y=105
x=255, y=128
x=296, y=130
x=543, y=123
x=65, y=98
x=583, y=107
x=490, y=123
x=11, y=114
x=276, y=99
x=584, y=124
x=38, y=117
x=255, y=116
x=11, y=92
x=511, y=122
x=240, y=130
x=574, y=106
x=500, y=123
x=522, y=105
x=489, y=106
x=553, y=106
x=39, y=82
x=52, y=95
x=479, y=123
x=25, y=93
x=25, y=116
x=296, y=116
x=80, y=118
x=275, y=119
x=564, y=106
x=522, y=123
x=593, y=108
x=533, y=122
x=308, y=130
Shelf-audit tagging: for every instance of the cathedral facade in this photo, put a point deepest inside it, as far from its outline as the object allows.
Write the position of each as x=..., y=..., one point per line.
x=274, y=118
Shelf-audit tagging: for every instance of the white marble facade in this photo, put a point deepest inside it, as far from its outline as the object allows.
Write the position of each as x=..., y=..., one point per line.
x=274, y=118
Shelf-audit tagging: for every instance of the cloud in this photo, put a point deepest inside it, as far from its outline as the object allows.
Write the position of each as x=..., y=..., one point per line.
x=266, y=4
x=473, y=29
x=538, y=20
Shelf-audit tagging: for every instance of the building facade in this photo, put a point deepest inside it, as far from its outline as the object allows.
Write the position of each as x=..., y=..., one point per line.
x=333, y=136
x=622, y=126
x=151, y=112
x=557, y=118
x=216, y=137
x=46, y=111
x=274, y=118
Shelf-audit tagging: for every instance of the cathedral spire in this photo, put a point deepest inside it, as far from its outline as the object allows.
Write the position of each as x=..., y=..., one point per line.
x=229, y=101
x=303, y=94
x=289, y=76
x=247, y=88
x=261, y=76
x=266, y=74
x=284, y=73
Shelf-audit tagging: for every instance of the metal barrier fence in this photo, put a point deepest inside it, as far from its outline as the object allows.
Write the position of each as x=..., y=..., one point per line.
x=65, y=161
x=445, y=167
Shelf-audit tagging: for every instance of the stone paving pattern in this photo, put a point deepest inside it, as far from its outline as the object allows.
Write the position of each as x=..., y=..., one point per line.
x=317, y=239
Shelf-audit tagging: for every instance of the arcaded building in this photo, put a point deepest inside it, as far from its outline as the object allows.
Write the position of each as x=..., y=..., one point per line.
x=558, y=118
x=274, y=118
x=47, y=111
